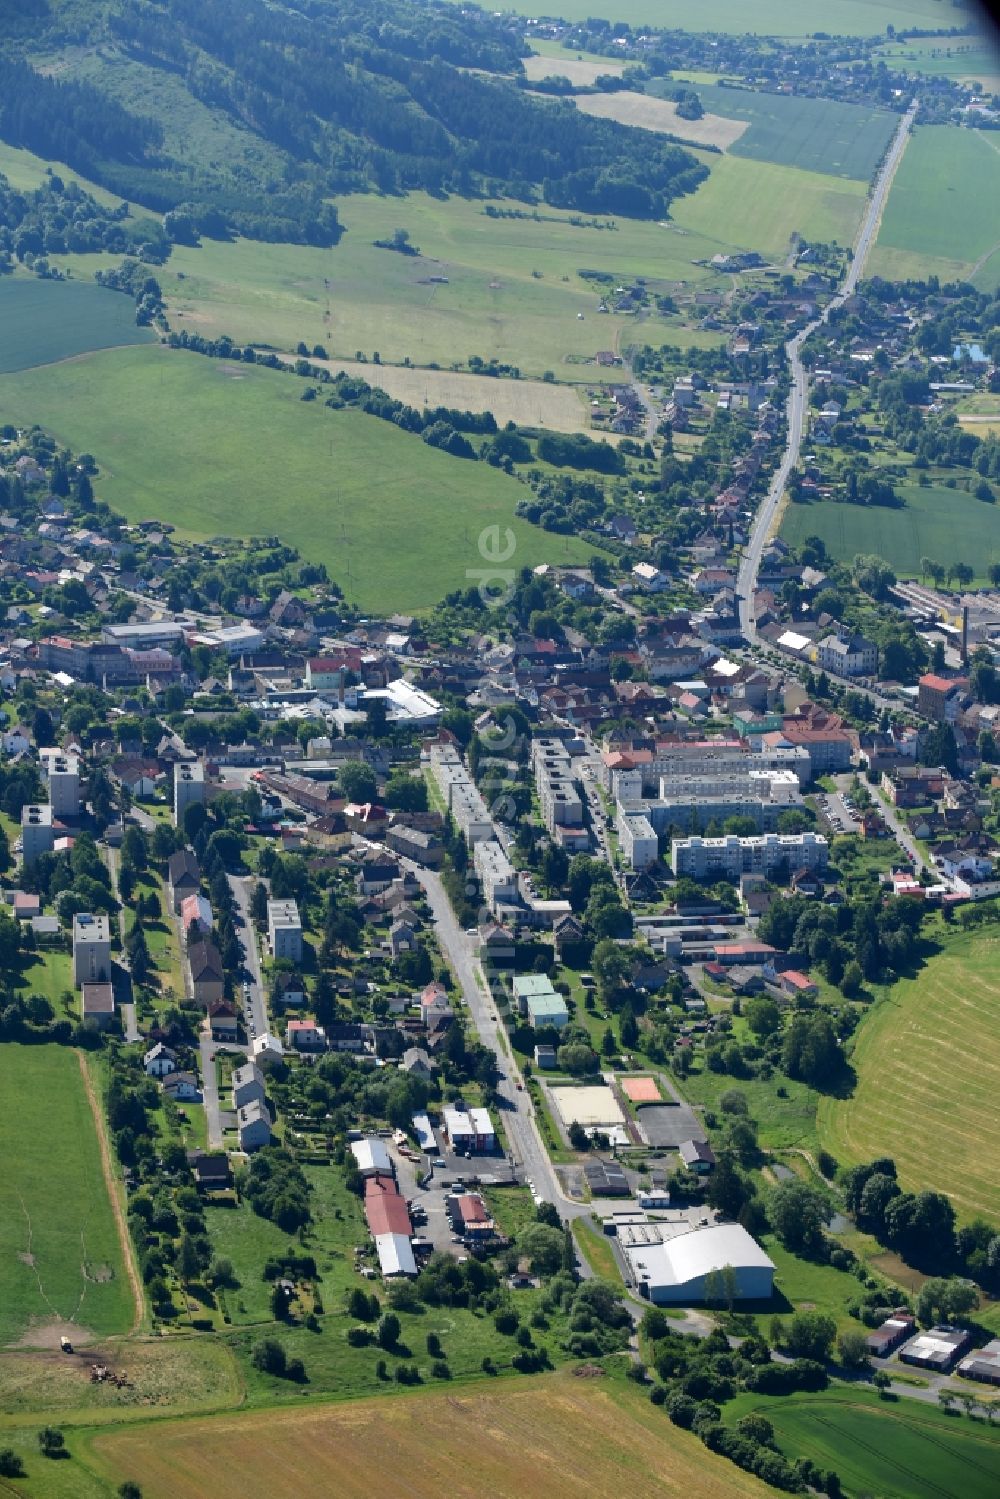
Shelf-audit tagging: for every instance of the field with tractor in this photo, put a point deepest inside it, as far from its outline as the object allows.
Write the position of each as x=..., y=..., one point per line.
x=563, y=1436
x=61, y=1265
x=936, y=1037
x=232, y=449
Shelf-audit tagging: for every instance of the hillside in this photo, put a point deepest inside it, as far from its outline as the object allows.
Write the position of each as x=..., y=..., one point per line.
x=246, y=116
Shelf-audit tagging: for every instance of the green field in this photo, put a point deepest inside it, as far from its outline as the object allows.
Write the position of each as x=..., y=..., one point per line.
x=232, y=450
x=928, y=1090
x=817, y=135
x=44, y=321
x=945, y=57
x=60, y=1255
x=943, y=213
x=761, y=205
x=905, y=1450
x=945, y=524
x=764, y=17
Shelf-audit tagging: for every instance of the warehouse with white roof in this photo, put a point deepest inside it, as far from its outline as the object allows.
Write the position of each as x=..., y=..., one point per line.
x=372, y=1157
x=723, y=1261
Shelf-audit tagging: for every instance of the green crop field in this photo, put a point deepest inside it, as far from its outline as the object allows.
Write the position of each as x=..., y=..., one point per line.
x=818, y=135
x=60, y=1255
x=905, y=1450
x=765, y=17
x=943, y=213
x=945, y=57
x=223, y=449
x=44, y=321
x=928, y=1090
x=947, y=525
x=760, y=205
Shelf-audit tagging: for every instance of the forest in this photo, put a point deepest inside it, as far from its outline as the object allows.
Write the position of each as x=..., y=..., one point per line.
x=348, y=97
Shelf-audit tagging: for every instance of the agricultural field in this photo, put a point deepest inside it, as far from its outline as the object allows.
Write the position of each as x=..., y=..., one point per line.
x=764, y=17
x=580, y=71
x=961, y=57
x=943, y=213
x=502, y=288
x=567, y=1438
x=528, y=403
x=761, y=205
x=45, y=321
x=647, y=112
x=936, y=1037
x=816, y=135
x=948, y=525
x=221, y=449
x=61, y=1265
x=909, y=1451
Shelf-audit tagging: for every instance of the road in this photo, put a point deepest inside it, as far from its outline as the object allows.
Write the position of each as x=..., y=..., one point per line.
x=123, y=987
x=798, y=395
x=895, y=823
x=255, y=1003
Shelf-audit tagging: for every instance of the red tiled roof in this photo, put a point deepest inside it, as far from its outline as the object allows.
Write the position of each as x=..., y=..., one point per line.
x=385, y=1210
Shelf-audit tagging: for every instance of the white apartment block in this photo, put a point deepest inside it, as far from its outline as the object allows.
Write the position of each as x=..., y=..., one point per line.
x=189, y=787
x=496, y=875
x=91, y=949
x=37, y=835
x=637, y=839
x=556, y=783
x=730, y=857
x=460, y=793
x=762, y=795
x=284, y=930
x=62, y=772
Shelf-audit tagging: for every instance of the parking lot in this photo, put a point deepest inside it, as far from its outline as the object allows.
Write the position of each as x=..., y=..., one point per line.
x=839, y=811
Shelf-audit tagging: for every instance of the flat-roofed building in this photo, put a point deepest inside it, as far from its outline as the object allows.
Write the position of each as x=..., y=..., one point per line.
x=91, y=949
x=62, y=774
x=536, y=998
x=189, y=788
x=496, y=874
x=284, y=930
x=37, y=833
x=938, y=1348
x=637, y=839
x=732, y=856
x=97, y=1004
x=719, y=1263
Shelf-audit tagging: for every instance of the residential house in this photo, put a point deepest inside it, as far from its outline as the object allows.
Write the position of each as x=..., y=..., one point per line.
x=253, y=1125
x=97, y=1004
x=183, y=877
x=207, y=976
x=247, y=1085
x=697, y=1156
x=303, y=1035
x=223, y=1021
x=159, y=1060
x=182, y=1087
x=211, y=1172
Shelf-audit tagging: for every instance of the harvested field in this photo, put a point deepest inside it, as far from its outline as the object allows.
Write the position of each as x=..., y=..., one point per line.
x=924, y=1035
x=564, y=1437
x=529, y=403
x=647, y=113
x=581, y=74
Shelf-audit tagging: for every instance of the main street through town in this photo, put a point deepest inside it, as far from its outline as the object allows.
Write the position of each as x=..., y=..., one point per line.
x=799, y=393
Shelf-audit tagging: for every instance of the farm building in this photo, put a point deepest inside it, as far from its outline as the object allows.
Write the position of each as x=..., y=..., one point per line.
x=894, y=1331
x=937, y=1349
x=983, y=1365
x=706, y=1264
x=372, y=1157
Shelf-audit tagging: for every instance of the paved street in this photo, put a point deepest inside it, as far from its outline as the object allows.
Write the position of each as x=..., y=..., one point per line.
x=241, y=888
x=799, y=393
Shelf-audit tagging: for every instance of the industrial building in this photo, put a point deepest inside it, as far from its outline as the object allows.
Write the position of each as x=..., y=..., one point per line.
x=893, y=1332
x=983, y=1365
x=372, y=1156
x=536, y=999
x=729, y=857
x=705, y=1264
x=937, y=1349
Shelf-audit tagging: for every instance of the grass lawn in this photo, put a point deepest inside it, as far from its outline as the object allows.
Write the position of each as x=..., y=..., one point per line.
x=946, y=524
x=945, y=57
x=596, y=1248
x=817, y=135
x=48, y=320
x=943, y=213
x=760, y=205
x=49, y=973
x=564, y=1437
x=161, y=937
x=937, y=1037
x=60, y=1256
x=222, y=449
x=763, y=17
x=900, y=1448
x=806, y=1286
x=782, y=1121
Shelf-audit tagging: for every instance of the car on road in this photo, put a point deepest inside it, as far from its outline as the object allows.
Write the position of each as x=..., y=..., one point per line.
x=438, y=1161
x=472, y=931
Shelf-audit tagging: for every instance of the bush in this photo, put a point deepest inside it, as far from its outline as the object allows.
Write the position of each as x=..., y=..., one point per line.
x=440, y=1369
x=359, y=1337
x=507, y=1322
x=658, y=1394
x=295, y=1370
x=269, y=1356
x=11, y=1465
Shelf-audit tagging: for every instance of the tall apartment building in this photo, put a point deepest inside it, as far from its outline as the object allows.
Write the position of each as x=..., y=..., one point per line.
x=62, y=772
x=284, y=930
x=556, y=783
x=91, y=949
x=189, y=787
x=730, y=857
x=496, y=874
x=460, y=793
x=37, y=836
x=637, y=839
x=761, y=794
